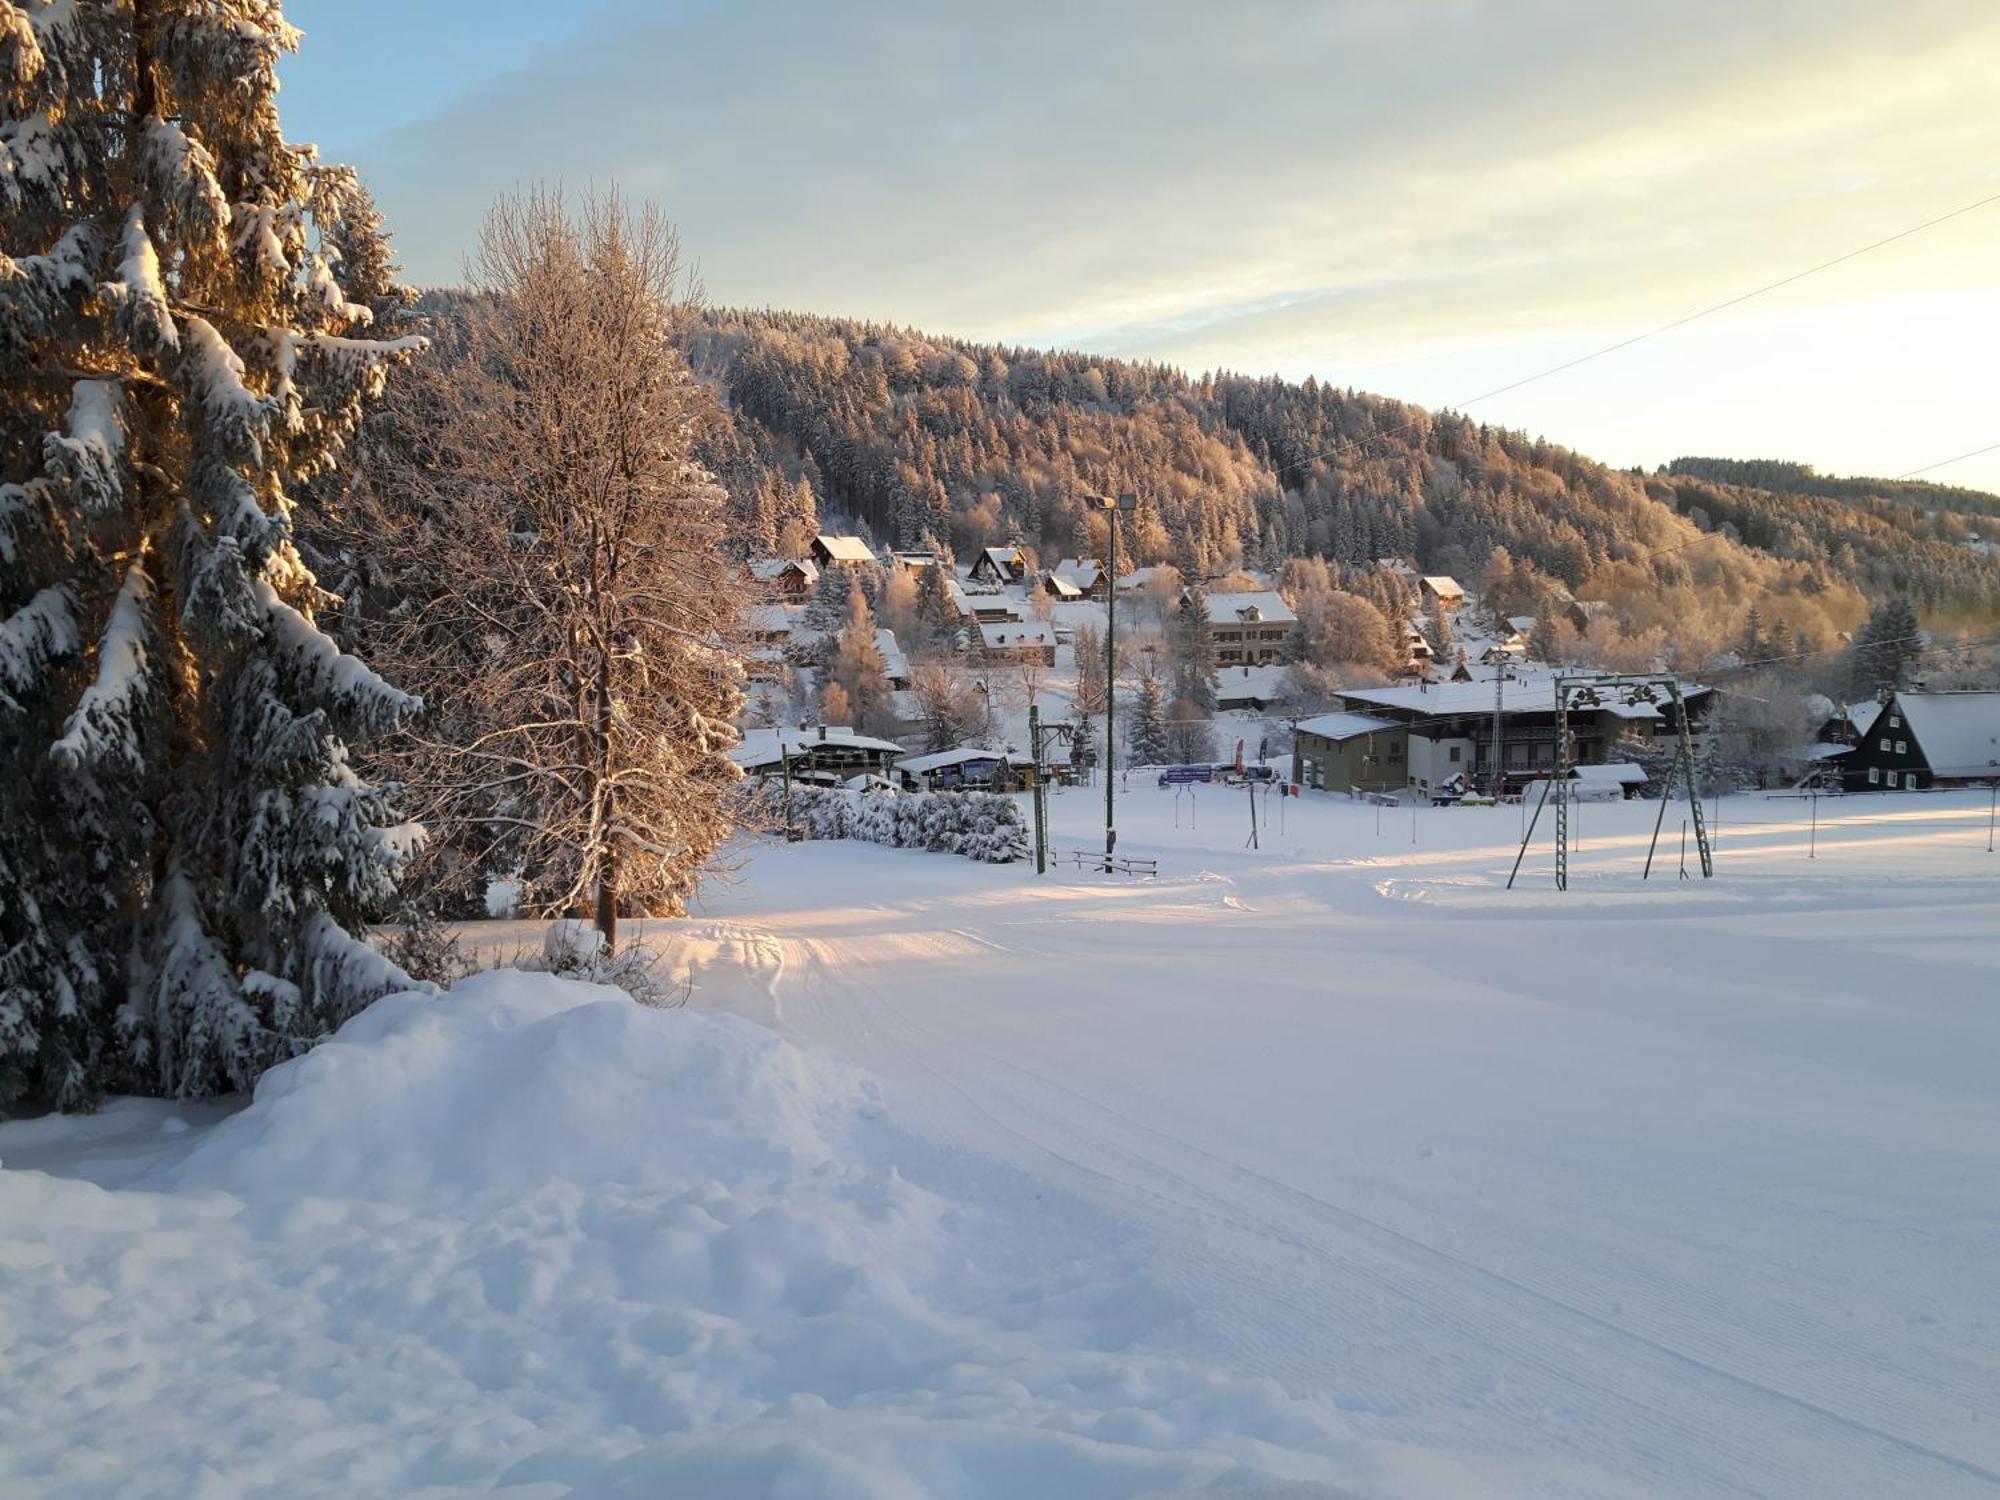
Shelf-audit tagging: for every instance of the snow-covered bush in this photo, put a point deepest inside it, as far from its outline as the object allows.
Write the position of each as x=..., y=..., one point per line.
x=573, y=949
x=979, y=825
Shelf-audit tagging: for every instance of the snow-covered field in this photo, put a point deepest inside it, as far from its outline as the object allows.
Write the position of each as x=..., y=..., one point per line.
x=1331, y=1167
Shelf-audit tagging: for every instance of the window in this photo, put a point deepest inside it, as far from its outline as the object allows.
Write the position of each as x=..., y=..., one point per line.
x=1902, y=747
x=1894, y=722
x=1395, y=750
x=1456, y=754
x=1874, y=776
x=1885, y=746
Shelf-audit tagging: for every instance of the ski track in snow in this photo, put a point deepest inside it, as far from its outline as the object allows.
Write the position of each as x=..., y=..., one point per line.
x=1579, y=1353
x=1332, y=1161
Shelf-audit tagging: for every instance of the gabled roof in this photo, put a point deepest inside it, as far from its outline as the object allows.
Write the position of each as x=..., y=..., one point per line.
x=1082, y=572
x=894, y=662
x=847, y=549
x=768, y=619
x=1004, y=557
x=1061, y=588
x=1263, y=606
x=937, y=760
x=1959, y=733
x=1345, y=726
x=1523, y=695
x=1623, y=772
x=1444, y=585
x=766, y=747
x=768, y=569
x=1011, y=633
x=1233, y=684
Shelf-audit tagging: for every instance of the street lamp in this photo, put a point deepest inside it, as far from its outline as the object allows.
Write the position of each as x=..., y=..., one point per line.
x=1111, y=505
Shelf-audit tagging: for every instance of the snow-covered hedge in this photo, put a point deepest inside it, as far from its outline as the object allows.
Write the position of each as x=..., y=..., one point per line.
x=978, y=825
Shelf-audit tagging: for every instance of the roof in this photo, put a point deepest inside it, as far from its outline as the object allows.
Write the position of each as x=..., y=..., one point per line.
x=1262, y=606
x=1345, y=726
x=1623, y=772
x=767, y=569
x=1004, y=557
x=1959, y=733
x=1138, y=578
x=766, y=747
x=938, y=760
x=1017, y=633
x=1083, y=572
x=767, y=619
x=893, y=661
x=846, y=549
x=1234, y=683
x=1444, y=585
x=1063, y=588
x=1523, y=624
x=1531, y=695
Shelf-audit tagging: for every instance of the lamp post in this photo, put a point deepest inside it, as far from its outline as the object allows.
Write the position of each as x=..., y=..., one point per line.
x=1111, y=505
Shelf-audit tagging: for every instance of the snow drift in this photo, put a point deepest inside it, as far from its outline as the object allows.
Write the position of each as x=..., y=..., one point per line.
x=533, y=1235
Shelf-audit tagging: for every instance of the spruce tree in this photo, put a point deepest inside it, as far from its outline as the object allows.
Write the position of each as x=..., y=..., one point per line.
x=1884, y=649
x=1193, y=641
x=1146, y=726
x=186, y=338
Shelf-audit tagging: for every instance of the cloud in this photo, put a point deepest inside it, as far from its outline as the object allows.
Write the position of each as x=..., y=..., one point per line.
x=1261, y=186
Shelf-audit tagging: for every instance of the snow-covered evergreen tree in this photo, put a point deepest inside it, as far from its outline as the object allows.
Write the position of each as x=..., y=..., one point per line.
x=187, y=305
x=1146, y=725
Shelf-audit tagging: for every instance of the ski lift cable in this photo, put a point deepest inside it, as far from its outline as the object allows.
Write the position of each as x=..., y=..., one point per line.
x=1651, y=333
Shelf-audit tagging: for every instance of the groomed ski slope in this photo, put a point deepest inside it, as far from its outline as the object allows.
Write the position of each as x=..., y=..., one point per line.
x=1330, y=1168
x=1661, y=1188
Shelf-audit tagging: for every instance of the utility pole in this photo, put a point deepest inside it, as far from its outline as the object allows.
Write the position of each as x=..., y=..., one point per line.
x=1035, y=786
x=1112, y=505
x=785, y=767
x=1495, y=783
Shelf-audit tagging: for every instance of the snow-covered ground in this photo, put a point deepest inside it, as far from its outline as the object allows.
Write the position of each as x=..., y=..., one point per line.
x=1326, y=1167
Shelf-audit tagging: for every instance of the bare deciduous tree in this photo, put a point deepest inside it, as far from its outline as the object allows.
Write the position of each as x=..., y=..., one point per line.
x=573, y=621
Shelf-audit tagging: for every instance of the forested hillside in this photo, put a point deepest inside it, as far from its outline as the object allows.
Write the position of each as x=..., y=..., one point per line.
x=1802, y=479
x=915, y=435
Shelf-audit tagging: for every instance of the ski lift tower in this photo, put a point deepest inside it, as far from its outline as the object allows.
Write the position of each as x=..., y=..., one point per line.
x=1590, y=690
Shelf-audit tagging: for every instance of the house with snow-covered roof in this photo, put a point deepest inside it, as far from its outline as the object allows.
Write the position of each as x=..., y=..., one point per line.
x=1351, y=752
x=1019, y=641
x=826, y=754
x=1086, y=575
x=895, y=664
x=850, y=551
x=1440, y=591
x=783, y=577
x=998, y=565
x=1451, y=725
x=1921, y=740
x=1250, y=629
x=1249, y=688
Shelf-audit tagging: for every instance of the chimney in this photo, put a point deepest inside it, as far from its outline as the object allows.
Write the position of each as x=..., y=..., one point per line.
x=822, y=732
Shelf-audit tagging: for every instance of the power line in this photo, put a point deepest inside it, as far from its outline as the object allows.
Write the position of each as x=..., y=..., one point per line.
x=1652, y=333
x=1944, y=462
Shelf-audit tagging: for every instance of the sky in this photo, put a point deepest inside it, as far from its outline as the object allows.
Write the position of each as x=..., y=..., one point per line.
x=1425, y=198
